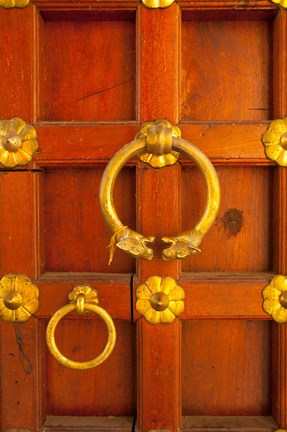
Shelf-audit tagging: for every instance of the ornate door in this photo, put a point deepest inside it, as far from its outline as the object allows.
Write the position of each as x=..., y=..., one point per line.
x=84, y=76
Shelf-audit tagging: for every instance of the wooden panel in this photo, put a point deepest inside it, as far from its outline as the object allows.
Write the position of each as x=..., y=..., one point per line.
x=87, y=424
x=216, y=83
x=93, y=80
x=21, y=378
x=21, y=223
x=242, y=231
x=77, y=238
x=226, y=368
x=105, y=390
x=229, y=424
x=17, y=55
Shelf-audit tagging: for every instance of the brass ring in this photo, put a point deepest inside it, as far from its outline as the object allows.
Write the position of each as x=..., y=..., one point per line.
x=50, y=337
x=135, y=243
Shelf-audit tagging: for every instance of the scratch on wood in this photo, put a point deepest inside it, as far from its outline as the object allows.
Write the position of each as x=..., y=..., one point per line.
x=105, y=89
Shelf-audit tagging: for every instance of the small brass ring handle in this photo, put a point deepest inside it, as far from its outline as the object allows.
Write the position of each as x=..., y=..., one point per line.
x=61, y=313
x=135, y=243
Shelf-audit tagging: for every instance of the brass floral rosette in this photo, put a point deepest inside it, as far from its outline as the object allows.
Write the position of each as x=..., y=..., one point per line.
x=10, y=4
x=160, y=299
x=18, y=142
x=18, y=298
x=275, y=141
x=275, y=299
x=282, y=3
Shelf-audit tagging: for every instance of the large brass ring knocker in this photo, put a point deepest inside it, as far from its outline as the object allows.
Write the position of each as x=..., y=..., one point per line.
x=165, y=141
x=78, y=302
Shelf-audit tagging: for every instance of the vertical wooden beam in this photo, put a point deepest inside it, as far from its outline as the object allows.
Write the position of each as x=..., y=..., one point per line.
x=17, y=58
x=279, y=400
x=20, y=225
x=158, y=204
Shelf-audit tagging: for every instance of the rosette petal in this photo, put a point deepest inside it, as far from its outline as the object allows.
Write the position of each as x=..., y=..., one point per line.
x=153, y=283
x=143, y=306
x=30, y=146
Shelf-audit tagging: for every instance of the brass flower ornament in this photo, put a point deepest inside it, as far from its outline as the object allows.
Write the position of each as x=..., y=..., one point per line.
x=160, y=299
x=17, y=142
x=275, y=141
x=275, y=299
x=282, y=3
x=9, y=4
x=18, y=298
x=155, y=4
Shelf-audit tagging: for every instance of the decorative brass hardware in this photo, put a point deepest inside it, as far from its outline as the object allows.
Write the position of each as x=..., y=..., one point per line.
x=135, y=243
x=82, y=299
x=155, y=4
x=282, y=3
x=275, y=141
x=160, y=299
x=158, y=136
x=17, y=142
x=9, y=4
x=18, y=298
x=275, y=299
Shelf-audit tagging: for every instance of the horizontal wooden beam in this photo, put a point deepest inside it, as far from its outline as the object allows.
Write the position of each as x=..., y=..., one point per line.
x=113, y=294
x=85, y=424
x=228, y=424
x=93, y=144
x=230, y=296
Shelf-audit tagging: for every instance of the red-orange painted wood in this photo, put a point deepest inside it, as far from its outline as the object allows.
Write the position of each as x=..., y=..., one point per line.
x=84, y=424
x=21, y=378
x=76, y=237
x=233, y=360
x=279, y=402
x=114, y=296
x=159, y=394
x=158, y=62
x=223, y=295
x=92, y=144
x=21, y=215
x=17, y=53
x=106, y=390
x=211, y=87
x=234, y=423
x=158, y=197
x=226, y=75
x=95, y=81
x=242, y=229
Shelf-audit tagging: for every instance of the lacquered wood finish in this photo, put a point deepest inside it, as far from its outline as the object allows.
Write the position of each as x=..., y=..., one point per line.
x=279, y=406
x=158, y=194
x=222, y=79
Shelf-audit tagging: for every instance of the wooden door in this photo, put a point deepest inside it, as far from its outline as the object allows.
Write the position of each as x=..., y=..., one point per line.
x=86, y=74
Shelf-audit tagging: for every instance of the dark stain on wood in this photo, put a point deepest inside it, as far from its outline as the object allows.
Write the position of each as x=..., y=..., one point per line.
x=232, y=221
